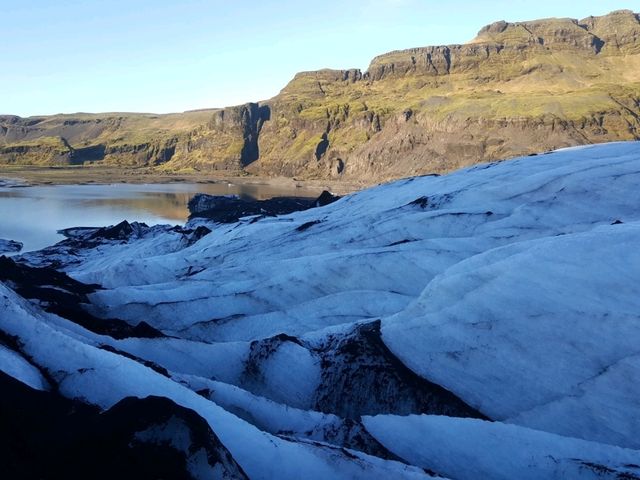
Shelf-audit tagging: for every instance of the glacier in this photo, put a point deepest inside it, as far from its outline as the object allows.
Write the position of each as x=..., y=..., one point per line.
x=481, y=324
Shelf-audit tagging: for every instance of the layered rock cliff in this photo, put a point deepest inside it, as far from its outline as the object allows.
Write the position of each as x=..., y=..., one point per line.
x=517, y=88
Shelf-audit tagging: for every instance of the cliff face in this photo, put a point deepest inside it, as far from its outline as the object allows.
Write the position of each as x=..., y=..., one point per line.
x=517, y=88
x=227, y=141
x=122, y=139
x=41, y=151
x=223, y=139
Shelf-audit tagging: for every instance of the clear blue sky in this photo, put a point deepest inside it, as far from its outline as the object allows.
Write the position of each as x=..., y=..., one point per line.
x=164, y=56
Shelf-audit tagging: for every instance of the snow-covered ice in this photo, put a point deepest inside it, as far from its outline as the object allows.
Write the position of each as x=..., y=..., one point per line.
x=468, y=449
x=509, y=292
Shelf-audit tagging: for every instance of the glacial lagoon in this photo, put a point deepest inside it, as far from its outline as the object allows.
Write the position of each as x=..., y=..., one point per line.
x=34, y=214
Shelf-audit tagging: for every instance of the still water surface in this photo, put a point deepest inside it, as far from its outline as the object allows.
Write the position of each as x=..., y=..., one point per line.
x=33, y=215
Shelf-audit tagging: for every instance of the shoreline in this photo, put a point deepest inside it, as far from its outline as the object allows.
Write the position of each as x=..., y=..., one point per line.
x=68, y=175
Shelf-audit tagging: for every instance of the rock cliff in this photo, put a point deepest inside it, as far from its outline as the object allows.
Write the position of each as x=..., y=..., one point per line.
x=516, y=89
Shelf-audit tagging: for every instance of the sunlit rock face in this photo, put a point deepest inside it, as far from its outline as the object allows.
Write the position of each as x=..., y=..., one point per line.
x=517, y=88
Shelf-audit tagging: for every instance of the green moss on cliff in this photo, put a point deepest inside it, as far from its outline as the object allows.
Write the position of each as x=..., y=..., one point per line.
x=515, y=89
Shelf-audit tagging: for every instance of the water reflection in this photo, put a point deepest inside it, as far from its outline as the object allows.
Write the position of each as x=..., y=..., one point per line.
x=32, y=215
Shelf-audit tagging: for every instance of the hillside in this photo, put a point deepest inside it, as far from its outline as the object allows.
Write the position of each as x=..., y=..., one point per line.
x=481, y=324
x=516, y=89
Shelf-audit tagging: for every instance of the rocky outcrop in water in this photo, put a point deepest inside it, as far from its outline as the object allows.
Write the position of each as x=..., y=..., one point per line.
x=231, y=208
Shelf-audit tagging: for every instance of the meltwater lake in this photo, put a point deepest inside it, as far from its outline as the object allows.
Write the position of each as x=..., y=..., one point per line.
x=33, y=214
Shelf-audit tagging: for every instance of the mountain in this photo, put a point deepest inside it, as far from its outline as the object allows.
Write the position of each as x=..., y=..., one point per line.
x=516, y=89
x=481, y=324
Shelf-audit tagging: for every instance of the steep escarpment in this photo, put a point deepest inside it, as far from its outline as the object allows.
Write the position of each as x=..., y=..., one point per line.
x=42, y=151
x=227, y=141
x=516, y=89
x=224, y=139
x=117, y=139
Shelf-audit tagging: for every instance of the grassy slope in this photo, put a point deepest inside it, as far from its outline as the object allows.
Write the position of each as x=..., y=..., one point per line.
x=542, y=84
x=522, y=82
